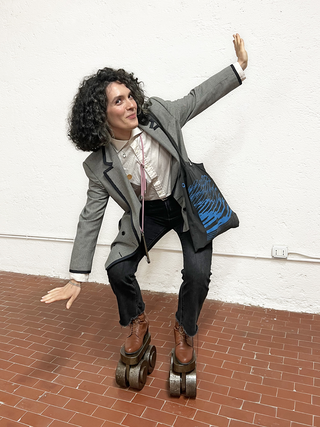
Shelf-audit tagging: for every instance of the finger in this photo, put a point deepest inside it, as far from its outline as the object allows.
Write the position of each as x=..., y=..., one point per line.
x=54, y=295
x=69, y=303
x=50, y=298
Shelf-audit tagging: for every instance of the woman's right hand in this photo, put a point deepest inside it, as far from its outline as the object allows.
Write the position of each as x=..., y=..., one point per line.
x=70, y=292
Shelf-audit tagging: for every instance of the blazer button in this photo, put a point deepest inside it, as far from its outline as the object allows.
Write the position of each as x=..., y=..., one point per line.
x=123, y=233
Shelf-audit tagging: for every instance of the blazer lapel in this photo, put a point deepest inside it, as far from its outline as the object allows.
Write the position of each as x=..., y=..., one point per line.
x=154, y=130
x=115, y=174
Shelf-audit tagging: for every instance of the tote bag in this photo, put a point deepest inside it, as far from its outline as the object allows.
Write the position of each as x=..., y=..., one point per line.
x=208, y=212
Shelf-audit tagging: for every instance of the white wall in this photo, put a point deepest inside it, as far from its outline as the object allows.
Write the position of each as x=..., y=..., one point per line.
x=261, y=143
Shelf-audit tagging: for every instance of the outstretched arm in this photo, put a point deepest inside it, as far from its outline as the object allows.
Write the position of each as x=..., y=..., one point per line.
x=240, y=51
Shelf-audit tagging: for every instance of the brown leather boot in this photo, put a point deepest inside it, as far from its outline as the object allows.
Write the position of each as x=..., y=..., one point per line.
x=184, y=345
x=138, y=328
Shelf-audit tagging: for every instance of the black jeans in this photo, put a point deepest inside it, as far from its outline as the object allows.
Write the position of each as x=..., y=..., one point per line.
x=161, y=217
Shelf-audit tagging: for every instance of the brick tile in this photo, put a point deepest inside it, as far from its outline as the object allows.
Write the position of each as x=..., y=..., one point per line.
x=226, y=400
x=185, y=422
x=31, y=406
x=47, y=386
x=237, y=423
x=35, y=420
x=237, y=414
x=176, y=408
x=307, y=408
x=81, y=407
x=259, y=408
x=92, y=387
x=98, y=400
x=12, y=413
x=295, y=416
x=262, y=389
x=263, y=420
x=150, y=402
x=230, y=382
x=43, y=375
x=212, y=387
x=9, y=399
x=109, y=414
x=128, y=408
x=159, y=416
x=73, y=393
x=53, y=399
x=4, y=422
x=250, y=378
x=58, y=413
x=133, y=421
x=303, y=388
x=24, y=380
x=245, y=395
x=203, y=405
x=28, y=392
x=120, y=393
x=88, y=376
x=288, y=385
x=277, y=402
x=294, y=395
x=297, y=378
x=67, y=381
x=207, y=417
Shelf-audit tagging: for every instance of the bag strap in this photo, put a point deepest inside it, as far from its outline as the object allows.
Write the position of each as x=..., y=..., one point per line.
x=173, y=142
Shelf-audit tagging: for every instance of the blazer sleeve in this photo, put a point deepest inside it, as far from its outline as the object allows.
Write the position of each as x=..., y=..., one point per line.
x=89, y=225
x=202, y=96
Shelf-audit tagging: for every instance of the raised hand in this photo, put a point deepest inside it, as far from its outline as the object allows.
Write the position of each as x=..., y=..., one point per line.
x=241, y=53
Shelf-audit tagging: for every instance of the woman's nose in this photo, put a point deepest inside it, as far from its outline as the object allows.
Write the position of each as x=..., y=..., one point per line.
x=131, y=103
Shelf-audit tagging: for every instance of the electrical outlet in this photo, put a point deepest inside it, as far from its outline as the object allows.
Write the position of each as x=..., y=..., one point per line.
x=280, y=251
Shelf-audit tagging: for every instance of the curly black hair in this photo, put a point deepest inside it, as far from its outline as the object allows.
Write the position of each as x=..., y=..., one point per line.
x=88, y=127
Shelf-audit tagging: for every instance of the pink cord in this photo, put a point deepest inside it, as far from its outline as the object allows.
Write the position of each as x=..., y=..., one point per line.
x=143, y=192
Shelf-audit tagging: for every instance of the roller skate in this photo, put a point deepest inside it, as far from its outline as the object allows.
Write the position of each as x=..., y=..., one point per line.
x=183, y=375
x=137, y=356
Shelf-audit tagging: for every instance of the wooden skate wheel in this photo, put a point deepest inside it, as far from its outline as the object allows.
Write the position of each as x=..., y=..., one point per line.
x=174, y=381
x=151, y=357
x=121, y=375
x=191, y=384
x=138, y=375
x=174, y=384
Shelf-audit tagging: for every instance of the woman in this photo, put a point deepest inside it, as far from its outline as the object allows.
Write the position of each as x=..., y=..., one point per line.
x=111, y=117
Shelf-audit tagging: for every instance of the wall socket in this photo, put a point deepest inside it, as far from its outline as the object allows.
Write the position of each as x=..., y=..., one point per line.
x=279, y=251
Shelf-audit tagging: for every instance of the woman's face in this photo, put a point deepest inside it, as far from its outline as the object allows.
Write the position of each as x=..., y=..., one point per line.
x=121, y=110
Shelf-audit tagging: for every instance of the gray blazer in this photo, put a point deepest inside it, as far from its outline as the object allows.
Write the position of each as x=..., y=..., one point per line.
x=107, y=177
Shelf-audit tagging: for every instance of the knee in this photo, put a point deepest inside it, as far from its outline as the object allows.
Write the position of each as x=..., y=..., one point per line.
x=196, y=275
x=116, y=274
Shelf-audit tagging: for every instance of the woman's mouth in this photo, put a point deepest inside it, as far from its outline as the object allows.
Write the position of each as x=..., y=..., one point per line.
x=132, y=116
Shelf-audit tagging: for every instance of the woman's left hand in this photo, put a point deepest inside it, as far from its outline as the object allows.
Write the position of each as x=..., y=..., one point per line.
x=70, y=292
x=240, y=51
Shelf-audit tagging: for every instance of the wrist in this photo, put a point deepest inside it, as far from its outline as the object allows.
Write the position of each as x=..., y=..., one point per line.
x=75, y=283
x=243, y=64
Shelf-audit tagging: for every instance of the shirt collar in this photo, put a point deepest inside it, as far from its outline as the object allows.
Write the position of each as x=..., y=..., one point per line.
x=119, y=144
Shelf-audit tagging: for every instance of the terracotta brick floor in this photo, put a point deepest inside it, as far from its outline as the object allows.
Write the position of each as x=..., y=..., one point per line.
x=256, y=367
